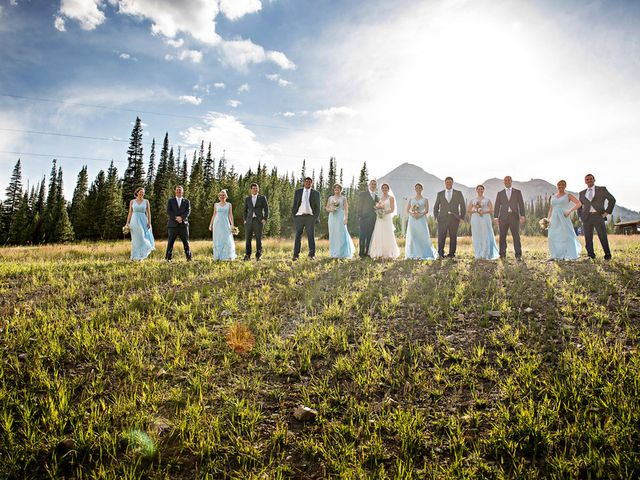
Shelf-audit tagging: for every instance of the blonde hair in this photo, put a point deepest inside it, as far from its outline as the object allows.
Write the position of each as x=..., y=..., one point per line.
x=224, y=190
x=135, y=192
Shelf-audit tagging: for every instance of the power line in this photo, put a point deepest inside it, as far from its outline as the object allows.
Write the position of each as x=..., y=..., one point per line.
x=71, y=157
x=105, y=107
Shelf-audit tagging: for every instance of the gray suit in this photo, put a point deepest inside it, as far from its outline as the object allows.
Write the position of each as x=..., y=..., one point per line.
x=449, y=214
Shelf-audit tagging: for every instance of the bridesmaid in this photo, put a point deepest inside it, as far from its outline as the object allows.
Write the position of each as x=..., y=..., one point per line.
x=139, y=224
x=418, y=245
x=340, y=242
x=482, y=236
x=222, y=227
x=563, y=241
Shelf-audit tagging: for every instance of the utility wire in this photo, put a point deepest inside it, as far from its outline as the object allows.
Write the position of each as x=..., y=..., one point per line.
x=30, y=154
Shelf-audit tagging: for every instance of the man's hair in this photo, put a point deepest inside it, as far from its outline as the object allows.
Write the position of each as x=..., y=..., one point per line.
x=179, y=186
x=448, y=178
x=590, y=175
x=308, y=178
x=254, y=185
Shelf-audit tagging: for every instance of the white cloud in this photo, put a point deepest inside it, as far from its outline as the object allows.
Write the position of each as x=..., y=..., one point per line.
x=234, y=9
x=86, y=12
x=13, y=2
x=169, y=18
x=334, y=112
x=59, y=24
x=240, y=54
x=274, y=77
x=194, y=56
x=234, y=103
x=288, y=114
x=190, y=99
x=125, y=56
x=177, y=43
x=219, y=85
x=243, y=88
x=226, y=132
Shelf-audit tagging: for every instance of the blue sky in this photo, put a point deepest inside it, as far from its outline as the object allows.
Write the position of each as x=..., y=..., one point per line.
x=473, y=89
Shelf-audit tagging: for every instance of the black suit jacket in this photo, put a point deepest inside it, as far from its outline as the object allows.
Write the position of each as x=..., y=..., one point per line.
x=173, y=211
x=367, y=205
x=314, y=201
x=599, y=196
x=261, y=210
x=444, y=210
x=503, y=204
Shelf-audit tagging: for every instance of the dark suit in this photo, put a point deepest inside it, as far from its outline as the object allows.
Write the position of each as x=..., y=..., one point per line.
x=595, y=220
x=253, y=217
x=448, y=215
x=508, y=212
x=306, y=221
x=367, y=218
x=175, y=228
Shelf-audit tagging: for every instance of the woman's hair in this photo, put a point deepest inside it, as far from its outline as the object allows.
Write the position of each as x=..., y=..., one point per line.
x=562, y=181
x=224, y=190
x=419, y=185
x=480, y=186
x=383, y=185
x=135, y=192
x=337, y=185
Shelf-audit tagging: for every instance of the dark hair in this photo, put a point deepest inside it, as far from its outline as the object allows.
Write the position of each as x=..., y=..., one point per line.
x=590, y=175
x=421, y=186
x=308, y=178
x=561, y=181
x=386, y=185
x=254, y=184
x=179, y=186
x=135, y=192
x=478, y=186
x=448, y=178
x=337, y=185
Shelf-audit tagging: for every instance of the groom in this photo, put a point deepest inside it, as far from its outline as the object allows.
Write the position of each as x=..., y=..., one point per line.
x=593, y=215
x=449, y=210
x=306, y=213
x=256, y=212
x=178, y=210
x=367, y=216
x=508, y=213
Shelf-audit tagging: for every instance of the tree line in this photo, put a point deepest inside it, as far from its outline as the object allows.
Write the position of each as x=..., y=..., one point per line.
x=98, y=210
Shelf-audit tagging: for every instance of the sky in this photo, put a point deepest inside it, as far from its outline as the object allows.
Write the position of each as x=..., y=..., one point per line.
x=474, y=89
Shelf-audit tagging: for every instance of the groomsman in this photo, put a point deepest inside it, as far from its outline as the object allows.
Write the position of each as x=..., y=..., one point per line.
x=306, y=213
x=367, y=216
x=508, y=213
x=449, y=210
x=256, y=212
x=593, y=215
x=178, y=210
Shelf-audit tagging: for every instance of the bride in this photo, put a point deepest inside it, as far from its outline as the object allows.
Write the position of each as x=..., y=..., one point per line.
x=383, y=240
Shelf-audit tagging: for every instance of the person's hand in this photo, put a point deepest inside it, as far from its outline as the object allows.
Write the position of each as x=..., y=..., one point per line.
x=149, y=226
x=566, y=214
x=346, y=221
x=521, y=220
x=179, y=219
x=210, y=227
x=604, y=214
x=263, y=221
x=496, y=221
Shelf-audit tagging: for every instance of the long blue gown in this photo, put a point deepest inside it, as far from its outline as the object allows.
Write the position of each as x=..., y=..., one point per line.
x=418, y=245
x=482, y=236
x=142, y=242
x=223, y=246
x=340, y=242
x=563, y=241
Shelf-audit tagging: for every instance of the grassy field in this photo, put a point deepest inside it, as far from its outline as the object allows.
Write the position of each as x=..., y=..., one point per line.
x=449, y=369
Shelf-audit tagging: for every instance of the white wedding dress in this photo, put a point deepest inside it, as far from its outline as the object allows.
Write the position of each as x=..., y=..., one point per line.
x=383, y=241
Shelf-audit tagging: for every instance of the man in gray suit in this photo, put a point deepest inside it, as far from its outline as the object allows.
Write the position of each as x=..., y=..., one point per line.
x=449, y=210
x=593, y=214
x=508, y=213
x=256, y=212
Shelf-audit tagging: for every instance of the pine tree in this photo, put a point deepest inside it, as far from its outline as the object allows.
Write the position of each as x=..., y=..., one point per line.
x=222, y=167
x=209, y=169
x=363, y=179
x=78, y=201
x=134, y=174
x=303, y=172
x=161, y=191
x=151, y=170
x=20, y=230
x=12, y=203
x=331, y=180
x=92, y=215
x=184, y=172
x=37, y=225
x=49, y=218
x=198, y=221
x=114, y=211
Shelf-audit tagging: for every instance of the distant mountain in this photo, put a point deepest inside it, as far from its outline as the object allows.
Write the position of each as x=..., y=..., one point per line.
x=402, y=180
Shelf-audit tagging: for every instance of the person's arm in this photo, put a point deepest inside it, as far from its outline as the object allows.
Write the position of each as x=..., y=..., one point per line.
x=326, y=207
x=611, y=202
x=392, y=205
x=580, y=209
x=213, y=216
x=231, y=215
x=521, y=206
x=170, y=213
x=130, y=212
x=461, y=207
x=436, y=207
x=490, y=207
x=316, y=196
x=426, y=207
x=245, y=213
x=148, y=214
x=294, y=209
x=576, y=207
x=550, y=212
x=187, y=211
x=265, y=210
x=496, y=210
x=346, y=211
x=470, y=208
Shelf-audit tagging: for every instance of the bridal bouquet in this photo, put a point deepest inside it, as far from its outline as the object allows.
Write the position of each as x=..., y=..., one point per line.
x=126, y=230
x=477, y=207
x=380, y=209
x=333, y=205
x=415, y=208
x=544, y=223
x=234, y=230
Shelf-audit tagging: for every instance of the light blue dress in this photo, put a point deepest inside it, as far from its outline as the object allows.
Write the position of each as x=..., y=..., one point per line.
x=223, y=246
x=563, y=241
x=482, y=236
x=340, y=242
x=142, y=242
x=418, y=245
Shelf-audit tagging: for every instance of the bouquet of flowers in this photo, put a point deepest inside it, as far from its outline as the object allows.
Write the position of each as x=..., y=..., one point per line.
x=333, y=205
x=126, y=230
x=544, y=223
x=380, y=209
x=234, y=230
x=477, y=208
x=415, y=208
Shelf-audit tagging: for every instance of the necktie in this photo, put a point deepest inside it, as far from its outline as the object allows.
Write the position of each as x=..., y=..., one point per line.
x=179, y=200
x=508, y=194
x=590, y=194
x=448, y=195
x=373, y=195
x=306, y=200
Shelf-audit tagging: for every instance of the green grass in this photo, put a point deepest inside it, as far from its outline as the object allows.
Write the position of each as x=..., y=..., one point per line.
x=113, y=369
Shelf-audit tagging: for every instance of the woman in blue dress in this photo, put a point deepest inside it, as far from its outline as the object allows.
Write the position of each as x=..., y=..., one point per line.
x=222, y=227
x=563, y=241
x=418, y=244
x=340, y=242
x=139, y=225
x=482, y=236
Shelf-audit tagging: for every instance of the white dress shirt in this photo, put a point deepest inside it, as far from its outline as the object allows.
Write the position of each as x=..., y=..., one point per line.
x=448, y=194
x=179, y=201
x=253, y=201
x=305, y=205
x=591, y=192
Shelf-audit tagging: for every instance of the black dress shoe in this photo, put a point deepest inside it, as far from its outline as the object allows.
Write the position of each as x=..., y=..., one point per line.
x=246, y=257
x=295, y=259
